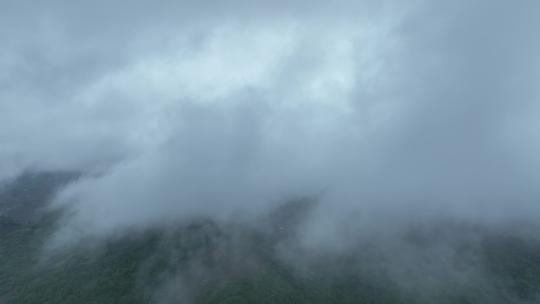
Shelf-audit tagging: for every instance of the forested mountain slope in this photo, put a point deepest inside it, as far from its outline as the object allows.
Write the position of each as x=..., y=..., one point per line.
x=203, y=261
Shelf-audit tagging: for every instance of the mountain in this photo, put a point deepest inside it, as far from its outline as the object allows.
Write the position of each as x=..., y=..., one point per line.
x=260, y=261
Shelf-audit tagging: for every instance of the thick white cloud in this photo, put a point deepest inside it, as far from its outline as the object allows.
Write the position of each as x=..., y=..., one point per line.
x=194, y=108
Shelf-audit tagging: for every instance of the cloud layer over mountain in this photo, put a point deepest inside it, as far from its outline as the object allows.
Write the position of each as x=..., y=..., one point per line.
x=187, y=108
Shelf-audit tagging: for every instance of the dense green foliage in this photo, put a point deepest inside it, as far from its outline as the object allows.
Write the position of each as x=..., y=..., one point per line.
x=203, y=262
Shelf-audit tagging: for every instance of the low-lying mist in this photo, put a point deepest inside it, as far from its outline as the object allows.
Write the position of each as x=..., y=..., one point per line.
x=270, y=258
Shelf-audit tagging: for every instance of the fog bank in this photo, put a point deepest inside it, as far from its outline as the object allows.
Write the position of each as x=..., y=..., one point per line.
x=381, y=110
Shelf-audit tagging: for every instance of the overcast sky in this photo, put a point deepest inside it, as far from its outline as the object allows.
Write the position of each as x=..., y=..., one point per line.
x=183, y=108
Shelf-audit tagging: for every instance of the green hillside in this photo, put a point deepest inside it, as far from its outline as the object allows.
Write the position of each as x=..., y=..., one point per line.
x=206, y=262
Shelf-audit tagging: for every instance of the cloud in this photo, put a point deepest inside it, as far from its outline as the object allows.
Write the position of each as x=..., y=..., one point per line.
x=196, y=108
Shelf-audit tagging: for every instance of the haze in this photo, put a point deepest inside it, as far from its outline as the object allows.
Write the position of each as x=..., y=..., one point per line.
x=180, y=109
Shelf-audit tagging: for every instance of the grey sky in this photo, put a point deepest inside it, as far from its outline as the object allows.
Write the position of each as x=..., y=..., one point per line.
x=182, y=108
